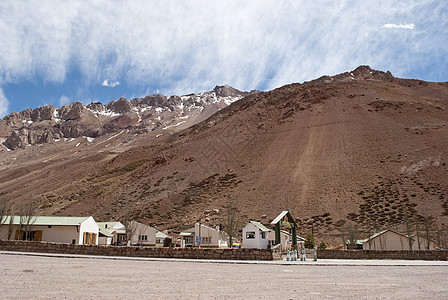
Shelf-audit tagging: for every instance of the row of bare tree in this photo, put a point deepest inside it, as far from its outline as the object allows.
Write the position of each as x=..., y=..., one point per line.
x=422, y=227
x=24, y=211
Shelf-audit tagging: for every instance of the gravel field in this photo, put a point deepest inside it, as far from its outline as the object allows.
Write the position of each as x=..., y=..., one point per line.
x=41, y=277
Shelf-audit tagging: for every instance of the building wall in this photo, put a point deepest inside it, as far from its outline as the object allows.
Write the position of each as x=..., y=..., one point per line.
x=88, y=226
x=56, y=234
x=143, y=230
x=286, y=239
x=423, y=244
x=210, y=236
x=104, y=240
x=387, y=241
x=258, y=242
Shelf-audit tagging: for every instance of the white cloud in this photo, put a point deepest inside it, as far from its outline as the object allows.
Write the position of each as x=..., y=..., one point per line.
x=400, y=26
x=110, y=83
x=4, y=103
x=64, y=100
x=187, y=46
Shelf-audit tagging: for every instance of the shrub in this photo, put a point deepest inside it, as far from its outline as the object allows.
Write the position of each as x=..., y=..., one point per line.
x=322, y=245
x=309, y=241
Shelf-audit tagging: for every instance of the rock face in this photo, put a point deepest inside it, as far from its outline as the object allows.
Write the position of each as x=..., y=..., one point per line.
x=48, y=124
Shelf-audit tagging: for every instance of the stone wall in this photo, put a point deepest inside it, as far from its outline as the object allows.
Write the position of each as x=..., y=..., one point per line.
x=135, y=251
x=386, y=254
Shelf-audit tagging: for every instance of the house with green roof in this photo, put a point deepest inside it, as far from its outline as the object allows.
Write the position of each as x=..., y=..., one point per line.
x=115, y=233
x=70, y=230
x=255, y=235
x=111, y=232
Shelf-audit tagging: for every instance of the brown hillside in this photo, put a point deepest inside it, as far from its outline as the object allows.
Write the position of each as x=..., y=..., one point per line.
x=361, y=146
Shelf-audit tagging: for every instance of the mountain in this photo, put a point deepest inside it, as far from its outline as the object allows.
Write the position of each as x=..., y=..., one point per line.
x=362, y=148
x=48, y=124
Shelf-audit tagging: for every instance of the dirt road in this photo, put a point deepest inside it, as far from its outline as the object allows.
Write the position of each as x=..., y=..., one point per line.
x=31, y=277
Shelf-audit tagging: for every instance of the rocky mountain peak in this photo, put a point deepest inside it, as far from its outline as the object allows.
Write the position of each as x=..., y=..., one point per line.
x=141, y=115
x=120, y=106
x=73, y=111
x=226, y=91
x=363, y=72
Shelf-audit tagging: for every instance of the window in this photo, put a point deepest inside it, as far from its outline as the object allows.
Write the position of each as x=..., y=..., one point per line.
x=206, y=240
x=89, y=238
x=263, y=235
x=250, y=234
x=29, y=235
x=143, y=237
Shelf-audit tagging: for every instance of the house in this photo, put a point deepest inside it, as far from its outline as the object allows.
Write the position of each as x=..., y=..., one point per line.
x=161, y=238
x=71, y=230
x=203, y=236
x=392, y=240
x=109, y=232
x=255, y=235
x=143, y=235
x=115, y=233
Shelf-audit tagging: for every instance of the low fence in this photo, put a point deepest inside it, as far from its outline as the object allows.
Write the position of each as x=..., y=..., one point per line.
x=136, y=251
x=383, y=254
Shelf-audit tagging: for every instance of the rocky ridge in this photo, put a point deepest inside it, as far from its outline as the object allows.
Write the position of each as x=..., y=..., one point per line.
x=48, y=124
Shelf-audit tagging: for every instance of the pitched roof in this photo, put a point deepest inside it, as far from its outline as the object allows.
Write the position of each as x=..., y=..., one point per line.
x=259, y=226
x=48, y=220
x=161, y=235
x=380, y=233
x=108, y=228
x=279, y=217
x=289, y=234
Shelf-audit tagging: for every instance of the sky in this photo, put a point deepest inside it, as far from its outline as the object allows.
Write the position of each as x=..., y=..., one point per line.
x=57, y=52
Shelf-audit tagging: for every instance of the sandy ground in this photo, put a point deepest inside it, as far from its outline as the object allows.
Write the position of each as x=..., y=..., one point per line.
x=34, y=277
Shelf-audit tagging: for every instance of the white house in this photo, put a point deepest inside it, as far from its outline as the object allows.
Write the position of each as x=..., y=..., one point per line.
x=71, y=230
x=255, y=235
x=143, y=235
x=391, y=240
x=115, y=233
x=203, y=236
x=109, y=231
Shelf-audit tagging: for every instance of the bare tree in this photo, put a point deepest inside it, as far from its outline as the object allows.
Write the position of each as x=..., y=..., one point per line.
x=438, y=234
x=407, y=223
x=370, y=230
x=428, y=223
x=10, y=227
x=443, y=236
x=26, y=218
x=3, y=211
x=417, y=232
x=231, y=222
x=352, y=235
x=130, y=225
